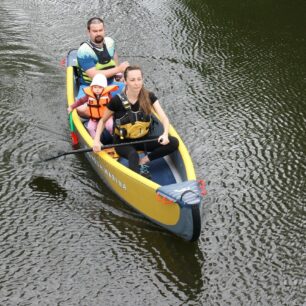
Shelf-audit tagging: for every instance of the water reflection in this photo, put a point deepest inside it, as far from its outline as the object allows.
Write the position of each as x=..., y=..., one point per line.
x=47, y=186
x=174, y=262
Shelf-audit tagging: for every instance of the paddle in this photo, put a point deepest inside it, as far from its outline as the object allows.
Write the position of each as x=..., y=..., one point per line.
x=115, y=145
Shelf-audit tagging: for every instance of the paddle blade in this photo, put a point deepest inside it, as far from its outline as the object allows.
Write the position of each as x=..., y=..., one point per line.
x=74, y=138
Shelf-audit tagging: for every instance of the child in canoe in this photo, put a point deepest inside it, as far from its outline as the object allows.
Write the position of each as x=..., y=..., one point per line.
x=97, y=96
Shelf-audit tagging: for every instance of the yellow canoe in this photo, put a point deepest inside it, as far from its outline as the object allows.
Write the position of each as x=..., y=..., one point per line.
x=172, y=198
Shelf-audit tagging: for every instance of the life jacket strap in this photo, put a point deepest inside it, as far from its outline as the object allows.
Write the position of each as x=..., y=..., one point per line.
x=127, y=106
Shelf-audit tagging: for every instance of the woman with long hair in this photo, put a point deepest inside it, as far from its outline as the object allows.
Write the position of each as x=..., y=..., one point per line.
x=132, y=112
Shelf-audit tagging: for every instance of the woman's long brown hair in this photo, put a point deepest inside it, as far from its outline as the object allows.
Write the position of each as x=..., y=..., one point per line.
x=143, y=97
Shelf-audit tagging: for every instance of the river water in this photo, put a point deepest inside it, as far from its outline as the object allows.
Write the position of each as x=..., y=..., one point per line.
x=231, y=76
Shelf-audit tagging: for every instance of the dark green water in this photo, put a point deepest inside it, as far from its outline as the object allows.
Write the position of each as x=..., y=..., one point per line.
x=231, y=76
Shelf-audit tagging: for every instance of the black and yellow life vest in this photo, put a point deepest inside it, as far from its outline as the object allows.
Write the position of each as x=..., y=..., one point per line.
x=132, y=124
x=105, y=61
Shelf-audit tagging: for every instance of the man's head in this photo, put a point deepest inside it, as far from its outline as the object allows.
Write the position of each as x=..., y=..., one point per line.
x=95, y=28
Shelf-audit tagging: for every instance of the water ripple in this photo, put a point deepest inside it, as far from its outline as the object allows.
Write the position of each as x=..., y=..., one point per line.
x=66, y=239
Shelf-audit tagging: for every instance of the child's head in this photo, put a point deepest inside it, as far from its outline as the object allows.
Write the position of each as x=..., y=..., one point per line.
x=98, y=83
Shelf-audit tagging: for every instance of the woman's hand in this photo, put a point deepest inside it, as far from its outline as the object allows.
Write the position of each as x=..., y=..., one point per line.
x=163, y=139
x=69, y=109
x=97, y=146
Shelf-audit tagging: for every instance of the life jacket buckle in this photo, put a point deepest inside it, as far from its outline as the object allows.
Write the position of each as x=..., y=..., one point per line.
x=122, y=133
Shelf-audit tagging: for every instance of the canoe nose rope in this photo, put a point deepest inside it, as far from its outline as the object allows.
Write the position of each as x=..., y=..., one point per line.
x=202, y=188
x=187, y=191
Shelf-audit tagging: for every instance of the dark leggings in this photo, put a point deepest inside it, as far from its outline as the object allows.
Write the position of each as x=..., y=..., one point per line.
x=156, y=150
x=106, y=137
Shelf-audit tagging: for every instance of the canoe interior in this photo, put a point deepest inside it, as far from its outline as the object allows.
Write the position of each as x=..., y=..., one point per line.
x=160, y=171
x=164, y=171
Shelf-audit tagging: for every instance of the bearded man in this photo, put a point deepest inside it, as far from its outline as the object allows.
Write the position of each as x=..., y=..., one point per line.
x=98, y=55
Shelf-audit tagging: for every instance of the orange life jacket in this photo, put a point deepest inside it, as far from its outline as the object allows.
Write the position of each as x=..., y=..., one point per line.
x=95, y=108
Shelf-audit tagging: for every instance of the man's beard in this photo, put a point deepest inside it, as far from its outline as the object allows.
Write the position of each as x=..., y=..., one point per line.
x=98, y=39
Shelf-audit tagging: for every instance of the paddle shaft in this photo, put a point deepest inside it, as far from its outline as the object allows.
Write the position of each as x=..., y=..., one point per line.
x=115, y=145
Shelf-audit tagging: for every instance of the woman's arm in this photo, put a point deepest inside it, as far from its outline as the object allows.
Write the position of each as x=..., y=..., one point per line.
x=100, y=127
x=163, y=139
